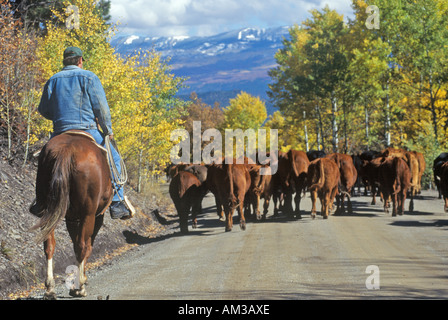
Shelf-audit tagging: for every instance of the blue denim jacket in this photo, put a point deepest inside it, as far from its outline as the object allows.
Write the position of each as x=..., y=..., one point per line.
x=73, y=99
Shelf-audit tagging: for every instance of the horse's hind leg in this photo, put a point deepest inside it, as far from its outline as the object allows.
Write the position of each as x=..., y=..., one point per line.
x=49, y=246
x=82, y=235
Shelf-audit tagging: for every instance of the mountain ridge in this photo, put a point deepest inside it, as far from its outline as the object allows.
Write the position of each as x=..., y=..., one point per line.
x=229, y=62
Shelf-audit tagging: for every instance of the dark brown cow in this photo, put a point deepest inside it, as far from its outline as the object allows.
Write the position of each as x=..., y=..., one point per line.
x=369, y=172
x=279, y=186
x=347, y=180
x=357, y=162
x=229, y=183
x=323, y=178
x=368, y=155
x=187, y=193
x=443, y=184
x=200, y=171
x=437, y=170
x=292, y=172
x=315, y=154
x=395, y=181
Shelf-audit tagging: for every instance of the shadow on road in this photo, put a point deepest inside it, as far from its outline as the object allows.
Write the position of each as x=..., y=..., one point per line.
x=413, y=223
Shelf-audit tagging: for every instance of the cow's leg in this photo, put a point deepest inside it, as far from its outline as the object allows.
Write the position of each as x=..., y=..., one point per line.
x=339, y=201
x=394, y=204
x=257, y=206
x=240, y=209
x=276, y=199
x=313, y=203
x=373, y=190
x=437, y=183
x=325, y=205
x=287, y=205
x=247, y=205
x=342, y=198
x=297, y=200
x=386, y=201
x=219, y=209
x=267, y=200
x=49, y=246
x=411, y=204
x=402, y=201
x=229, y=218
x=332, y=196
x=196, y=210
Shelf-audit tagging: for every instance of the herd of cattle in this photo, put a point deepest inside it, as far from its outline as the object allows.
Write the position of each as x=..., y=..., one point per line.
x=393, y=174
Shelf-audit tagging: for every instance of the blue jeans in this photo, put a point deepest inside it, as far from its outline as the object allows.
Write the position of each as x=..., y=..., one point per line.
x=119, y=194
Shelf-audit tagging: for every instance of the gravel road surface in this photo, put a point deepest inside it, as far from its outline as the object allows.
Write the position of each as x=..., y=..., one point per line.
x=367, y=255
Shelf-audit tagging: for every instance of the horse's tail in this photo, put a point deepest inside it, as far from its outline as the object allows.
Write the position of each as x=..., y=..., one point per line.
x=58, y=197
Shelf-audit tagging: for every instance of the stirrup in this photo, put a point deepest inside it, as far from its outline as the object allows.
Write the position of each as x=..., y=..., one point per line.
x=129, y=206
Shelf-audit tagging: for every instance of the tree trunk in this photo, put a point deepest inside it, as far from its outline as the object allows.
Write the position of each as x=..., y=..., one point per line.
x=334, y=124
x=306, y=132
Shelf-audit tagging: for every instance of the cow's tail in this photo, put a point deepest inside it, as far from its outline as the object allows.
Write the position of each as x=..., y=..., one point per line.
x=321, y=181
x=58, y=197
x=397, y=182
x=232, y=199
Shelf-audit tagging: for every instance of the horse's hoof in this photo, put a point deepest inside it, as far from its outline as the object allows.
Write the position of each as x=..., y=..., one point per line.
x=243, y=226
x=50, y=296
x=77, y=293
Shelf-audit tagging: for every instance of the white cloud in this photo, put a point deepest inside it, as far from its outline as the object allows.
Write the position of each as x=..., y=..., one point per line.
x=206, y=17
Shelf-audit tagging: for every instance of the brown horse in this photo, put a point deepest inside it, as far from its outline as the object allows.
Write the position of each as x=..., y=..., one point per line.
x=73, y=182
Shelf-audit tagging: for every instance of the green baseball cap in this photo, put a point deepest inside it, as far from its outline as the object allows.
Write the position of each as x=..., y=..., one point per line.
x=73, y=52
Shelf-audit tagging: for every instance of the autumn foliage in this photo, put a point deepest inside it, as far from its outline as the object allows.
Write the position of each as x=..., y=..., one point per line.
x=338, y=85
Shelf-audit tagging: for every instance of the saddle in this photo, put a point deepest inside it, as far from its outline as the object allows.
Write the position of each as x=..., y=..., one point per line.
x=88, y=135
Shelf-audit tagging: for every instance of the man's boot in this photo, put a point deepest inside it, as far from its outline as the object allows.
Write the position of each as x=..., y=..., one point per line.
x=118, y=210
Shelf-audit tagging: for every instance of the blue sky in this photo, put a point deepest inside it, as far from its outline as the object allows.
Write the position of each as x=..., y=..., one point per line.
x=208, y=17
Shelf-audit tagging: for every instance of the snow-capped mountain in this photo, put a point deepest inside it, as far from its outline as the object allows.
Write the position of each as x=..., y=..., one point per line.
x=228, y=62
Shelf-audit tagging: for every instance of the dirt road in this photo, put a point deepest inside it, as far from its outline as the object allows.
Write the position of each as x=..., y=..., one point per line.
x=368, y=255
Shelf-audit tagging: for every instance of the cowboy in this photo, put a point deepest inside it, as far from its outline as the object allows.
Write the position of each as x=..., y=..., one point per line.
x=74, y=99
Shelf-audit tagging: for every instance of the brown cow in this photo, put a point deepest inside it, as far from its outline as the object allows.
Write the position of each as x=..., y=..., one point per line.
x=323, y=178
x=253, y=194
x=347, y=180
x=187, y=193
x=413, y=164
x=395, y=180
x=229, y=183
x=292, y=172
x=261, y=187
x=443, y=184
x=421, y=169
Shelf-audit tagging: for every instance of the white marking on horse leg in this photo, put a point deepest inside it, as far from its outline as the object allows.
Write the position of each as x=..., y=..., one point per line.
x=82, y=278
x=49, y=281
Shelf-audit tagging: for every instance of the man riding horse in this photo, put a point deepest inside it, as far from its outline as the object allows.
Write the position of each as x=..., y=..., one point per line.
x=74, y=99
